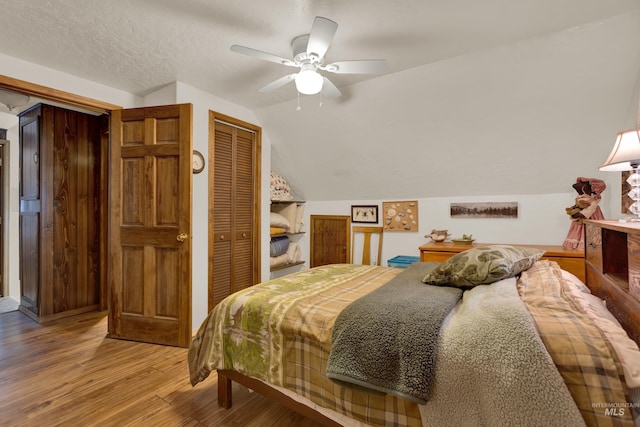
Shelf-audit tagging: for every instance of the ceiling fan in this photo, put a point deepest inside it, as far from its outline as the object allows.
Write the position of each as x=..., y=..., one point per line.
x=308, y=55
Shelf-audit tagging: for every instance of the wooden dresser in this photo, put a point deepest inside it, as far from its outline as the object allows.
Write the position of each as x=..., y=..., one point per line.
x=571, y=260
x=613, y=269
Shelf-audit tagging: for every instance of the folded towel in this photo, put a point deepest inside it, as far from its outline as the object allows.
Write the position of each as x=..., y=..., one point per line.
x=277, y=261
x=294, y=253
x=277, y=230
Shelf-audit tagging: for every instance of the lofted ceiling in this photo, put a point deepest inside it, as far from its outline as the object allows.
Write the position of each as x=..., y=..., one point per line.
x=141, y=45
x=478, y=92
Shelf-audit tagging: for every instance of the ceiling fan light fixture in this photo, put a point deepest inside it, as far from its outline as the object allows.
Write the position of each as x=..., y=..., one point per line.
x=308, y=81
x=308, y=55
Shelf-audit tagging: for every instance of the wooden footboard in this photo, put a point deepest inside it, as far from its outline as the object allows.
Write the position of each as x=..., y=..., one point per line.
x=225, y=378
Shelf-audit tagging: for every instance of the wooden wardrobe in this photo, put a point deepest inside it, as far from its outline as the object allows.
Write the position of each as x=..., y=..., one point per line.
x=60, y=206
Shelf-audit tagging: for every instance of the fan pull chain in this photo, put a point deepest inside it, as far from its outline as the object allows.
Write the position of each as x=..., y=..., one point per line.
x=298, y=108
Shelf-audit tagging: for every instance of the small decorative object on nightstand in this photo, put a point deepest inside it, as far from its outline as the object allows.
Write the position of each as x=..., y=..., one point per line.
x=465, y=240
x=438, y=236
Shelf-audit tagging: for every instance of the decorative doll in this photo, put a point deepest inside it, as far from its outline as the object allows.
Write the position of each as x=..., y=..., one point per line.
x=586, y=207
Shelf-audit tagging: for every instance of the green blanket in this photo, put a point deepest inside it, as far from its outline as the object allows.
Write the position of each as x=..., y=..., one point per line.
x=385, y=342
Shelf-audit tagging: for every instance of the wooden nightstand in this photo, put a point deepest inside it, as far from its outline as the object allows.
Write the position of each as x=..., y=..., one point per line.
x=571, y=260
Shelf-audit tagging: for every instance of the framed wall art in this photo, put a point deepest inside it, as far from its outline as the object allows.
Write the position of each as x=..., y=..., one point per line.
x=485, y=210
x=367, y=214
x=400, y=216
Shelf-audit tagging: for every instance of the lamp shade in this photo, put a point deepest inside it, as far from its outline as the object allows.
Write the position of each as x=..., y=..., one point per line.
x=308, y=81
x=626, y=152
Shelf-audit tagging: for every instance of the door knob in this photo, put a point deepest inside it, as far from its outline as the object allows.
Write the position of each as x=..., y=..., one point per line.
x=181, y=237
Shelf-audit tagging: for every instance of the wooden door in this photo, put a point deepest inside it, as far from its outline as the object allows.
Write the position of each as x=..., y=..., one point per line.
x=150, y=224
x=234, y=210
x=330, y=239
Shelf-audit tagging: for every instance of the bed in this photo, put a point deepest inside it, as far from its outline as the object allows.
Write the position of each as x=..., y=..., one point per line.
x=493, y=336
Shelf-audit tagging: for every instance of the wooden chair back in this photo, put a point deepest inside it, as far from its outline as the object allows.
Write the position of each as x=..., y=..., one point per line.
x=367, y=232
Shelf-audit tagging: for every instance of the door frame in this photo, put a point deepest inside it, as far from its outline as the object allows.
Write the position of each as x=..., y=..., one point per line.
x=56, y=95
x=89, y=104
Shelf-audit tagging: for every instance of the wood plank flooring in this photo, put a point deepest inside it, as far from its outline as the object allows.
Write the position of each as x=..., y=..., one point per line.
x=67, y=373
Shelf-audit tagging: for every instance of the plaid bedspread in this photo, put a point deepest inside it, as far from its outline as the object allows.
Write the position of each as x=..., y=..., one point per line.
x=585, y=359
x=280, y=332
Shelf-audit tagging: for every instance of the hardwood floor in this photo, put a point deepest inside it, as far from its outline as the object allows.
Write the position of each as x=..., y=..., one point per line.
x=68, y=373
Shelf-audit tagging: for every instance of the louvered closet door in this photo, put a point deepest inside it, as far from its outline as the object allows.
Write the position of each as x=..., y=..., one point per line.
x=234, y=258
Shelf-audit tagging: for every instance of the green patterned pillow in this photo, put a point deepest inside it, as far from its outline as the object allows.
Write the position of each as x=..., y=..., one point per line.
x=483, y=265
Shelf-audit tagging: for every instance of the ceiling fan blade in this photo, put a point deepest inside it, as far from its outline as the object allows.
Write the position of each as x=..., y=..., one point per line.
x=262, y=55
x=322, y=32
x=366, y=66
x=330, y=90
x=278, y=83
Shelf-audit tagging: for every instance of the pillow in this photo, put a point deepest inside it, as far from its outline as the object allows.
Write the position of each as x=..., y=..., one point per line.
x=288, y=211
x=277, y=220
x=280, y=190
x=483, y=265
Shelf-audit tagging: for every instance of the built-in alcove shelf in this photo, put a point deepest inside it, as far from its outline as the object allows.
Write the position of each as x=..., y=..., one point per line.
x=292, y=211
x=287, y=234
x=615, y=264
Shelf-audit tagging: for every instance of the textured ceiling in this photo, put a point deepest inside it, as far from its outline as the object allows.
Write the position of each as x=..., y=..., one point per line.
x=141, y=45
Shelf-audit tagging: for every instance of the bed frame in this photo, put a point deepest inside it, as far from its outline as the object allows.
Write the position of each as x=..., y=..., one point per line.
x=612, y=262
x=225, y=381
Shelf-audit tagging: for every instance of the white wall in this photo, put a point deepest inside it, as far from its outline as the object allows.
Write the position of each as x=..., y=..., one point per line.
x=541, y=220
